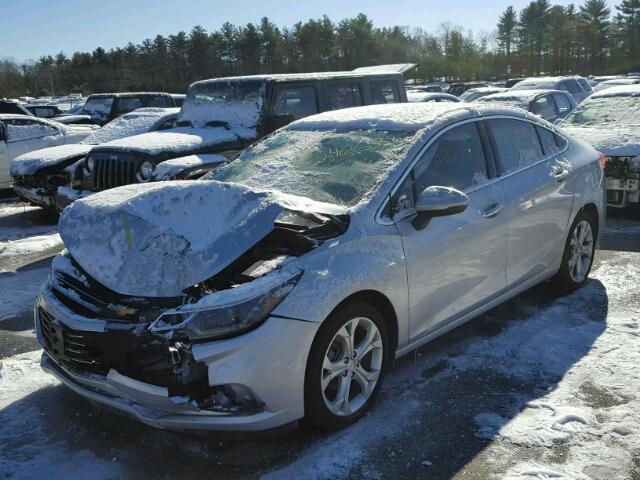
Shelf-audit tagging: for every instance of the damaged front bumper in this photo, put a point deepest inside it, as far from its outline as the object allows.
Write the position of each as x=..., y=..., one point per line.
x=267, y=363
x=34, y=195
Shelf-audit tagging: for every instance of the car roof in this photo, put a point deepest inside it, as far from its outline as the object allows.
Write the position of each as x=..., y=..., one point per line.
x=402, y=117
x=287, y=77
x=619, y=91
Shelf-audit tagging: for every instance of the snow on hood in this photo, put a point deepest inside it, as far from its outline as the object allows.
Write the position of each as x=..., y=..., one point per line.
x=29, y=163
x=175, y=140
x=156, y=239
x=612, y=141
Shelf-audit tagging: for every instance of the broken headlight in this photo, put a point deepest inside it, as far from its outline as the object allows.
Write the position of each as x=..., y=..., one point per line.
x=228, y=312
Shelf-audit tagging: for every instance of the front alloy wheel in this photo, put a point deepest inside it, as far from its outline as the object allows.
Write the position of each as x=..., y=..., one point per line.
x=345, y=366
x=352, y=366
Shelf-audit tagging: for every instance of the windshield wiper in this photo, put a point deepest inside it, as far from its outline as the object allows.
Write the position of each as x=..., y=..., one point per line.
x=218, y=123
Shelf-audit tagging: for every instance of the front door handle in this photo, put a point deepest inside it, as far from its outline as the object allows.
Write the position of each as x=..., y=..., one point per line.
x=492, y=210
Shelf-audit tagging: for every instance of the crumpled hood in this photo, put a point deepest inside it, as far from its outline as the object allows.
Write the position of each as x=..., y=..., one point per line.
x=612, y=141
x=30, y=163
x=182, y=140
x=156, y=239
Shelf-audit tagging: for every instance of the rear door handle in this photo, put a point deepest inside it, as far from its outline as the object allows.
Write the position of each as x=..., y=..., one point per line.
x=492, y=210
x=560, y=173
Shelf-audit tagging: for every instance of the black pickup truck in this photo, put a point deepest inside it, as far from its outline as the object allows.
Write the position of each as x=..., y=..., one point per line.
x=220, y=117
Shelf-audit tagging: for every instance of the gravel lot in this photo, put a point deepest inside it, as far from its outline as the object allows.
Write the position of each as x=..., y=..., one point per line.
x=541, y=387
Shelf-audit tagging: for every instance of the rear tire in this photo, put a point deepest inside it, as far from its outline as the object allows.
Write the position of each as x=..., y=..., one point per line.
x=578, y=254
x=346, y=366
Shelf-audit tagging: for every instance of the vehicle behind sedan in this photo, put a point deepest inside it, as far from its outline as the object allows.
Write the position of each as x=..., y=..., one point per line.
x=610, y=121
x=39, y=175
x=20, y=134
x=551, y=105
x=284, y=284
x=575, y=85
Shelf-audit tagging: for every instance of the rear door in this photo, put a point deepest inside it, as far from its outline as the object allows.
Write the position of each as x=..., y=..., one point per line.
x=291, y=102
x=538, y=199
x=457, y=262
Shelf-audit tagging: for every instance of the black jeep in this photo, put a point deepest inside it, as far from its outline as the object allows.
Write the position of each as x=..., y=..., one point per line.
x=220, y=117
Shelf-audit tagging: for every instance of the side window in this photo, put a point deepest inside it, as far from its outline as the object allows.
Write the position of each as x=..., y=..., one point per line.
x=43, y=112
x=127, y=104
x=343, y=95
x=17, y=130
x=584, y=84
x=563, y=104
x=159, y=101
x=561, y=142
x=295, y=102
x=516, y=142
x=544, y=107
x=456, y=159
x=384, y=92
x=548, y=141
x=571, y=86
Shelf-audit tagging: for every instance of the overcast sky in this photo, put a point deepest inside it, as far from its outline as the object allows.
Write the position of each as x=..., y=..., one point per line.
x=31, y=28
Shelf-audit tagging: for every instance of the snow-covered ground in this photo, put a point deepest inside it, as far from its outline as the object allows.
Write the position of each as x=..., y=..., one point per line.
x=542, y=387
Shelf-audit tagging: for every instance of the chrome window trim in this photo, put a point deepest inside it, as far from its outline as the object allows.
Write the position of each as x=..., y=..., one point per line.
x=387, y=221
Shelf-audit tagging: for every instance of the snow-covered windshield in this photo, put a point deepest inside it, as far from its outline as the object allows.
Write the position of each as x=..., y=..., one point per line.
x=325, y=166
x=123, y=126
x=619, y=110
x=233, y=103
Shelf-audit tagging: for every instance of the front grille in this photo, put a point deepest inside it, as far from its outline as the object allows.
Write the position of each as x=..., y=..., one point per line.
x=113, y=172
x=69, y=347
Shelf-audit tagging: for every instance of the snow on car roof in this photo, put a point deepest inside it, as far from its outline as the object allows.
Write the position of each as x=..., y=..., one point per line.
x=280, y=77
x=124, y=94
x=540, y=82
x=523, y=97
x=619, y=91
x=409, y=117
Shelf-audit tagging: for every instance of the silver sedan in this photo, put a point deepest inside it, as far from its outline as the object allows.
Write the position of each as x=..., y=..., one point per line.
x=283, y=285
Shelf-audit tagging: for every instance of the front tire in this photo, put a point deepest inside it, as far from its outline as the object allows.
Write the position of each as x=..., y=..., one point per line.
x=578, y=254
x=346, y=366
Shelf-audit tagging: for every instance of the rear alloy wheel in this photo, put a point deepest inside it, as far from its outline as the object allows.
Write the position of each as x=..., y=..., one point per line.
x=345, y=366
x=578, y=254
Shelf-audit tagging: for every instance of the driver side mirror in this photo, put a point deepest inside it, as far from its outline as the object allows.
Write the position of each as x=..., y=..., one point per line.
x=438, y=201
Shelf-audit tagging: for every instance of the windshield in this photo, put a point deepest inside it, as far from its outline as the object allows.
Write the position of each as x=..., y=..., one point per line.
x=123, y=126
x=325, y=166
x=98, y=106
x=618, y=110
x=230, y=103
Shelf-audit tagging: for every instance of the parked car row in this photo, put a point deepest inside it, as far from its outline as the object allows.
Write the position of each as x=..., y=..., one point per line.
x=264, y=253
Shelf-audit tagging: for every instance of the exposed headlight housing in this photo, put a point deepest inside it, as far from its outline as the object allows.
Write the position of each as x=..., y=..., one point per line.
x=145, y=170
x=229, y=312
x=89, y=163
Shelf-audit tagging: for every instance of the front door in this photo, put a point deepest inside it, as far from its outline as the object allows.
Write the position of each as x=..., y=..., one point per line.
x=456, y=262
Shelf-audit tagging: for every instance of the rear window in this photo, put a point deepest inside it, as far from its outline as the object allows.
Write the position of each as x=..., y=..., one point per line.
x=548, y=140
x=384, y=92
x=516, y=142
